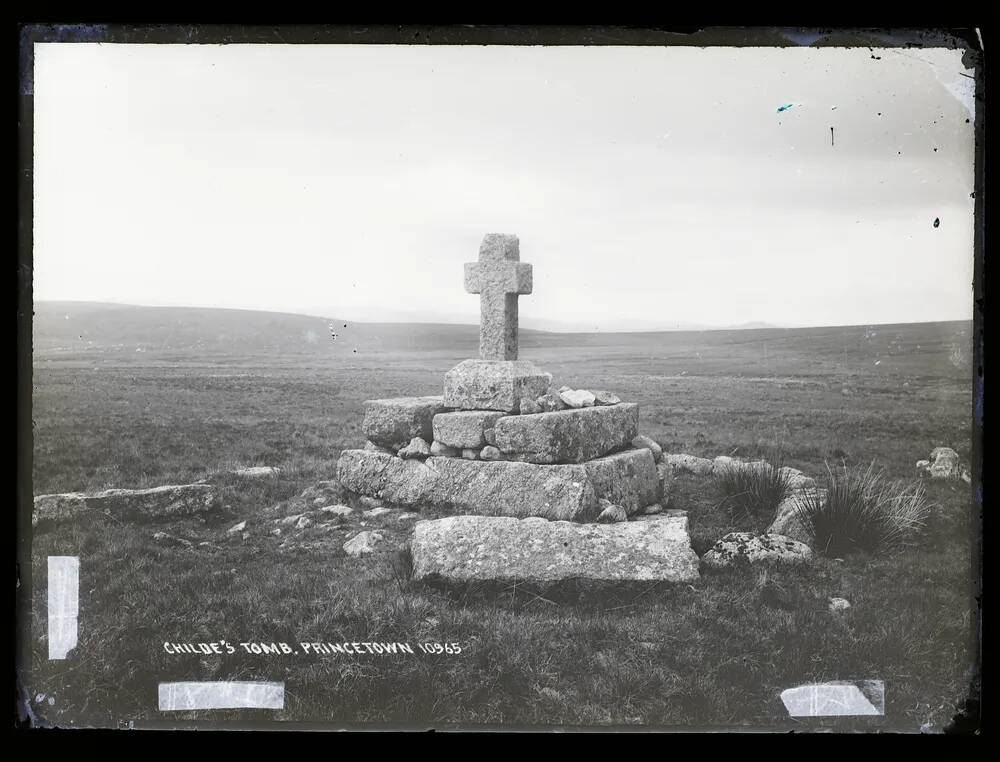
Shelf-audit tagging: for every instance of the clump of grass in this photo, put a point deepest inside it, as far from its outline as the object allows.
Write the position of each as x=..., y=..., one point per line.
x=753, y=490
x=401, y=568
x=862, y=510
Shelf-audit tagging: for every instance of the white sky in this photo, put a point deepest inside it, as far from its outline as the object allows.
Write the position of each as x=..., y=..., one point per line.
x=649, y=186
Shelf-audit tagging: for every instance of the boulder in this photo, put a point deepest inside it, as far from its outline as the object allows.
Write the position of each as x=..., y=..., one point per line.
x=393, y=423
x=626, y=478
x=169, y=501
x=839, y=604
x=649, y=444
x=786, y=518
x=444, y=450
x=461, y=549
x=567, y=436
x=363, y=543
x=550, y=402
x=796, y=479
x=493, y=384
x=417, y=448
x=756, y=549
x=724, y=463
x=464, y=428
x=606, y=398
x=577, y=398
x=690, y=464
x=490, y=488
x=945, y=464
x=257, y=472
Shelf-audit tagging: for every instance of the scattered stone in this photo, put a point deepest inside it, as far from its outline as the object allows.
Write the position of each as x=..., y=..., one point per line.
x=491, y=488
x=159, y=502
x=319, y=502
x=611, y=514
x=490, y=453
x=376, y=512
x=394, y=422
x=787, y=520
x=303, y=522
x=276, y=531
x=467, y=548
x=649, y=444
x=470, y=454
x=237, y=528
x=417, y=448
x=834, y=699
x=464, y=429
x=578, y=398
x=839, y=604
x=408, y=516
x=362, y=543
x=372, y=447
x=443, y=450
x=338, y=510
x=567, y=436
x=766, y=548
x=550, y=402
x=169, y=539
x=923, y=468
x=369, y=503
x=626, y=478
x=796, y=479
x=606, y=398
x=493, y=384
x=257, y=472
x=529, y=406
x=690, y=464
x=289, y=520
x=945, y=463
x=846, y=392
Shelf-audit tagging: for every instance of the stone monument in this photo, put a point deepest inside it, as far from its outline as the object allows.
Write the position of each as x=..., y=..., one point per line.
x=503, y=449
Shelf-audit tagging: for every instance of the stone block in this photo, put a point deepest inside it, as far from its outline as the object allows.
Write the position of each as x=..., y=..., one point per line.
x=567, y=436
x=464, y=429
x=628, y=479
x=394, y=422
x=493, y=384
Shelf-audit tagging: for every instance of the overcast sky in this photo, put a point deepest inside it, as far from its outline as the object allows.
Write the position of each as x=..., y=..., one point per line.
x=649, y=186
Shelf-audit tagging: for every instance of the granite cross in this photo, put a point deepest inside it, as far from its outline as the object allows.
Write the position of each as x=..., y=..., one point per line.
x=498, y=277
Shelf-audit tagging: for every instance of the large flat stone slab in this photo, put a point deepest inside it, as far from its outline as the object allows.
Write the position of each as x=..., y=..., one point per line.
x=493, y=384
x=464, y=428
x=157, y=502
x=394, y=422
x=628, y=479
x=488, y=488
x=461, y=549
x=567, y=436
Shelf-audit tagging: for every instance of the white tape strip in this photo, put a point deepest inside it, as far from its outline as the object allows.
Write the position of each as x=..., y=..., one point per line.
x=64, y=604
x=837, y=699
x=177, y=697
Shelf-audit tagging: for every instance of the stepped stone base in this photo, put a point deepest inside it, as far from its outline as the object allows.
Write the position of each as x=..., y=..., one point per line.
x=461, y=549
x=628, y=479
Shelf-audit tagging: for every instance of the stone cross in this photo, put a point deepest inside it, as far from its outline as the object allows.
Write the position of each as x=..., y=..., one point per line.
x=498, y=277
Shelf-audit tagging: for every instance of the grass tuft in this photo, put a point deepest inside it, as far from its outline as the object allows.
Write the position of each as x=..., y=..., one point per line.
x=862, y=510
x=753, y=490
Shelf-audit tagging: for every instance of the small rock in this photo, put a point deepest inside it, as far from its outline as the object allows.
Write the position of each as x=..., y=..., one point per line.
x=368, y=503
x=577, y=398
x=319, y=501
x=490, y=453
x=417, y=448
x=613, y=514
x=376, y=512
x=287, y=520
x=529, y=406
x=238, y=528
x=846, y=392
x=169, y=539
x=362, y=544
x=276, y=531
x=923, y=468
x=338, y=510
x=765, y=548
x=839, y=604
x=372, y=447
x=443, y=450
x=944, y=463
x=470, y=454
x=303, y=522
x=490, y=435
x=408, y=516
x=652, y=509
x=550, y=402
x=643, y=441
x=257, y=472
x=606, y=398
